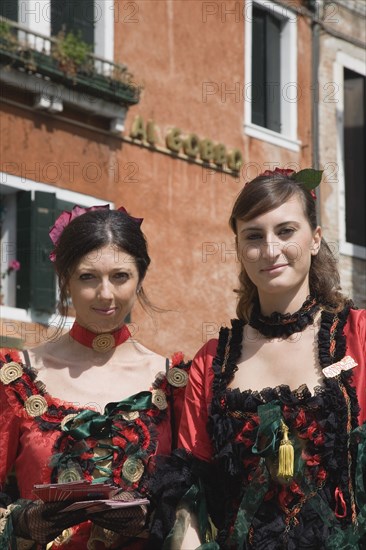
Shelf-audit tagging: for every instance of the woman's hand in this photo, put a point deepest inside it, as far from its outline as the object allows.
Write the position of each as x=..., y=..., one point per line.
x=129, y=521
x=43, y=521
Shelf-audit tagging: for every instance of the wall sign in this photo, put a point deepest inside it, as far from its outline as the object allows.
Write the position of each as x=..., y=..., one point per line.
x=190, y=145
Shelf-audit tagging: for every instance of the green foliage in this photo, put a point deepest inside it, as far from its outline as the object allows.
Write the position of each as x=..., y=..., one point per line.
x=5, y=30
x=71, y=52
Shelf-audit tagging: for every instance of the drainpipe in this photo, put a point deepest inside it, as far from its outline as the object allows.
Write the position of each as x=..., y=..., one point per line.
x=314, y=6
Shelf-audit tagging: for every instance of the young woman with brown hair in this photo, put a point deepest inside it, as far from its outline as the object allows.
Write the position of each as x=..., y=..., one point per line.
x=271, y=427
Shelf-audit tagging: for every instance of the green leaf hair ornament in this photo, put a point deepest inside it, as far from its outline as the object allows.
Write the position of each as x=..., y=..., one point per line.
x=309, y=178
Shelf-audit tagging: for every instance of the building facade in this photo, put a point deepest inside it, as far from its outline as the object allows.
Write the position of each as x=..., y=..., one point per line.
x=178, y=106
x=341, y=137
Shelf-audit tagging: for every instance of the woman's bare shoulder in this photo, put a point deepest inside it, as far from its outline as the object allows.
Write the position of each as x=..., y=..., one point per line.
x=53, y=348
x=143, y=350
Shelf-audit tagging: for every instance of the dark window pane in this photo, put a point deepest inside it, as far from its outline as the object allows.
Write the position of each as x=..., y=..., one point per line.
x=354, y=156
x=76, y=16
x=258, y=68
x=266, y=64
x=9, y=9
x=273, y=83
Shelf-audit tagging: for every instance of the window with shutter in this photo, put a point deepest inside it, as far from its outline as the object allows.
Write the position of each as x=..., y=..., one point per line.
x=26, y=217
x=271, y=80
x=77, y=17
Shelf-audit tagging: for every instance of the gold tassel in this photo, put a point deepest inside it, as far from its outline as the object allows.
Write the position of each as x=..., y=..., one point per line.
x=285, y=455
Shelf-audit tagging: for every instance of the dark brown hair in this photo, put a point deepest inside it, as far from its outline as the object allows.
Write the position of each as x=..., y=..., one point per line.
x=266, y=193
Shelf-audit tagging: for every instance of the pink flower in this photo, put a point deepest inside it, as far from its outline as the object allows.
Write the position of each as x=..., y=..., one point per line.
x=14, y=265
x=66, y=217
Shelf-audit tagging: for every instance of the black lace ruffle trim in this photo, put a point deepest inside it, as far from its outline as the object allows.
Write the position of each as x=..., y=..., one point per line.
x=279, y=325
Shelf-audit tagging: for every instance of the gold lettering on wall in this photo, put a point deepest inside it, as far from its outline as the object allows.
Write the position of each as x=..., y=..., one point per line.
x=190, y=145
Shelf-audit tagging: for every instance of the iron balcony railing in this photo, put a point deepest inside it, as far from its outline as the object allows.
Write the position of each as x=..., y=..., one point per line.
x=37, y=53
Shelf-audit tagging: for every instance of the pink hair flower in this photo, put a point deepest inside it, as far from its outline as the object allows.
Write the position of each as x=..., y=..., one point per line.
x=66, y=217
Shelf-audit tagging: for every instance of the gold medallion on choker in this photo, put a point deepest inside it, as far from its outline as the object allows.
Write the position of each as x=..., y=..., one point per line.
x=103, y=342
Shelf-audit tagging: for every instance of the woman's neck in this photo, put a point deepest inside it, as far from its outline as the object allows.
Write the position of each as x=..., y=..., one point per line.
x=288, y=302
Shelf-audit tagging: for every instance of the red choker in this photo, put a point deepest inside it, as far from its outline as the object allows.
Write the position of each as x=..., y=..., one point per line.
x=99, y=342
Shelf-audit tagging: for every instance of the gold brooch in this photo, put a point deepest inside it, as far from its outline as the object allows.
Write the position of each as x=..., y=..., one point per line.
x=68, y=475
x=177, y=377
x=159, y=399
x=35, y=405
x=132, y=470
x=10, y=372
x=103, y=342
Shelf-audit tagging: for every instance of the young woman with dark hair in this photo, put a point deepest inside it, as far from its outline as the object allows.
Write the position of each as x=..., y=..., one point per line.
x=272, y=434
x=92, y=404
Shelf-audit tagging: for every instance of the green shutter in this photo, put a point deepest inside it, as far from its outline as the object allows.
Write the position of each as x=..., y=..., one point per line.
x=76, y=16
x=36, y=278
x=24, y=247
x=43, y=290
x=9, y=9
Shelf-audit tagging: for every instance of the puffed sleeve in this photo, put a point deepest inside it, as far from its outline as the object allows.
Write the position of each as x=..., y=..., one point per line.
x=9, y=424
x=175, y=475
x=355, y=332
x=193, y=435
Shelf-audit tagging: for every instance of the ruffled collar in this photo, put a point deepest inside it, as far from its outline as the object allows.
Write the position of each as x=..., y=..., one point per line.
x=279, y=325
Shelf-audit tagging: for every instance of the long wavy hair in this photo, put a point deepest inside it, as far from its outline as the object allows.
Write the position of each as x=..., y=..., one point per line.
x=266, y=193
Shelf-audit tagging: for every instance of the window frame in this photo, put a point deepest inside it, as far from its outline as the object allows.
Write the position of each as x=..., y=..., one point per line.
x=19, y=183
x=37, y=17
x=344, y=61
x=287, y=138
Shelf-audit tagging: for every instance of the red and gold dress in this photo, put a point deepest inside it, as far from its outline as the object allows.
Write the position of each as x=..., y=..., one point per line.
x=44, y=440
